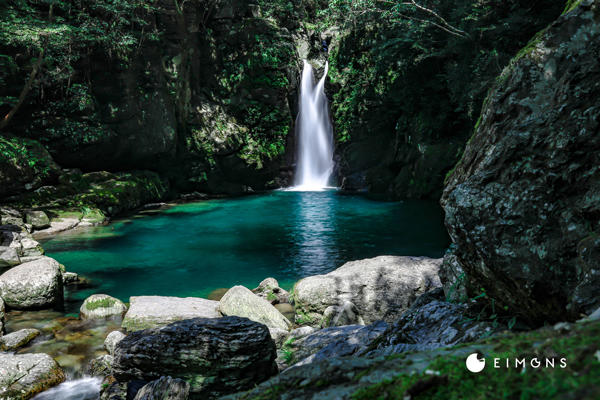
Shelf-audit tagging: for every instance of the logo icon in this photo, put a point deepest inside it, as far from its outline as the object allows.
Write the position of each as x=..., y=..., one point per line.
x=475, y=362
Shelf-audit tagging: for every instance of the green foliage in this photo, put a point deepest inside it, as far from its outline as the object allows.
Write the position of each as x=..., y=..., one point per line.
x=453, y=381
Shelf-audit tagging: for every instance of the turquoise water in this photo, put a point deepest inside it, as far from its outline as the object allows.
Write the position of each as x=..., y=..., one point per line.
x=192, y=249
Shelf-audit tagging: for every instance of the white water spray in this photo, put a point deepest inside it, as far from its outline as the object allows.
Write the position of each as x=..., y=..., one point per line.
x=314, y=134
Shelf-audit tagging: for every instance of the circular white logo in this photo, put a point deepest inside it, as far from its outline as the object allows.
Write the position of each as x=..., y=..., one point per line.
x=475, y=363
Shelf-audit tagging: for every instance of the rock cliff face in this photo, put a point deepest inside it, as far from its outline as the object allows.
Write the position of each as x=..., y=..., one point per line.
x=405, y=95
x=202, y=94
x=523, y=205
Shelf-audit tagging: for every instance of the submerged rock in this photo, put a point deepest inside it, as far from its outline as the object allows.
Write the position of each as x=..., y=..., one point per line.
x=17, y=339
x=216, y=355
x=164, y=388
x=522, y=206
x=24, y=375
x=381, y=288
x=102, y=306
x=153, y=311
x=33, y=285
x=241, y=302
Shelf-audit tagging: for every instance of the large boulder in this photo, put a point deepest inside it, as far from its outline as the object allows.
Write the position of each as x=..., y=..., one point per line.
x=241, y=302
x=37, y=219
x=33, y=285
x=523, y=205
x=153, y=311
x=380, y=288
x=102, y=306
x=24, y=375
x=215, y=356
x=164, y=388
x=269, y=290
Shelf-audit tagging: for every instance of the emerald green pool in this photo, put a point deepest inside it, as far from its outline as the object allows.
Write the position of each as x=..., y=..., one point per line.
x=192, y=249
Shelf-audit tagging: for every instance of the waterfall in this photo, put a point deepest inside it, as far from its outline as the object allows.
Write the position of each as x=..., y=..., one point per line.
x=314, y=134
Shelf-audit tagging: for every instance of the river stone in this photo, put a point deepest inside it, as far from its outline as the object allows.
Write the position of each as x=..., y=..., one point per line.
x=24, y=375
x=153, y=311
x=102, y=306
x=269, y=290
x=381, y=288
x=241, y=302
x=70, y=277
x=522, y=206
x=164, y=388
x=33, y=285
x=17, y=339
x=215, y=355
x=31, y=248
x=9, y=257
x=101, y=365
x=37, y=219
x=111, y=341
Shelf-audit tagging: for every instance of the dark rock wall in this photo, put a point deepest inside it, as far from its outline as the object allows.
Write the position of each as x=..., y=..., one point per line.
x=523, y=205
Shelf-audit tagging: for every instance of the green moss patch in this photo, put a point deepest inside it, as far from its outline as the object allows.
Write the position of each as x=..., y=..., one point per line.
x=102, y=303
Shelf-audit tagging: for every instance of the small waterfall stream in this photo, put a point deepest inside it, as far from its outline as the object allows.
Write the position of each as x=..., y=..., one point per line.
x=314, y=133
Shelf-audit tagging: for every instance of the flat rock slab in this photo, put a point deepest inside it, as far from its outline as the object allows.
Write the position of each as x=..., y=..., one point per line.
x=24, y=375
x=155, y=311
x=17, y=339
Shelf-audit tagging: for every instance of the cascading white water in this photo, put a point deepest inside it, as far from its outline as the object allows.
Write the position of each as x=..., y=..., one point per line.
x=314, y=134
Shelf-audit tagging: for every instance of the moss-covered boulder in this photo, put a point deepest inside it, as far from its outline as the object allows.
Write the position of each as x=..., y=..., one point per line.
x=102, y=306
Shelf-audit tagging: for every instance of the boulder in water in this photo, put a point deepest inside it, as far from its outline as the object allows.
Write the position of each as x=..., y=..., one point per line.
x=102, y=306
x=164, y=388
x=381, y=288
x=17, y=339
x=33, y=285
x=24, y=375
x=216, y=355
x=241, y=302
x=153, y=311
